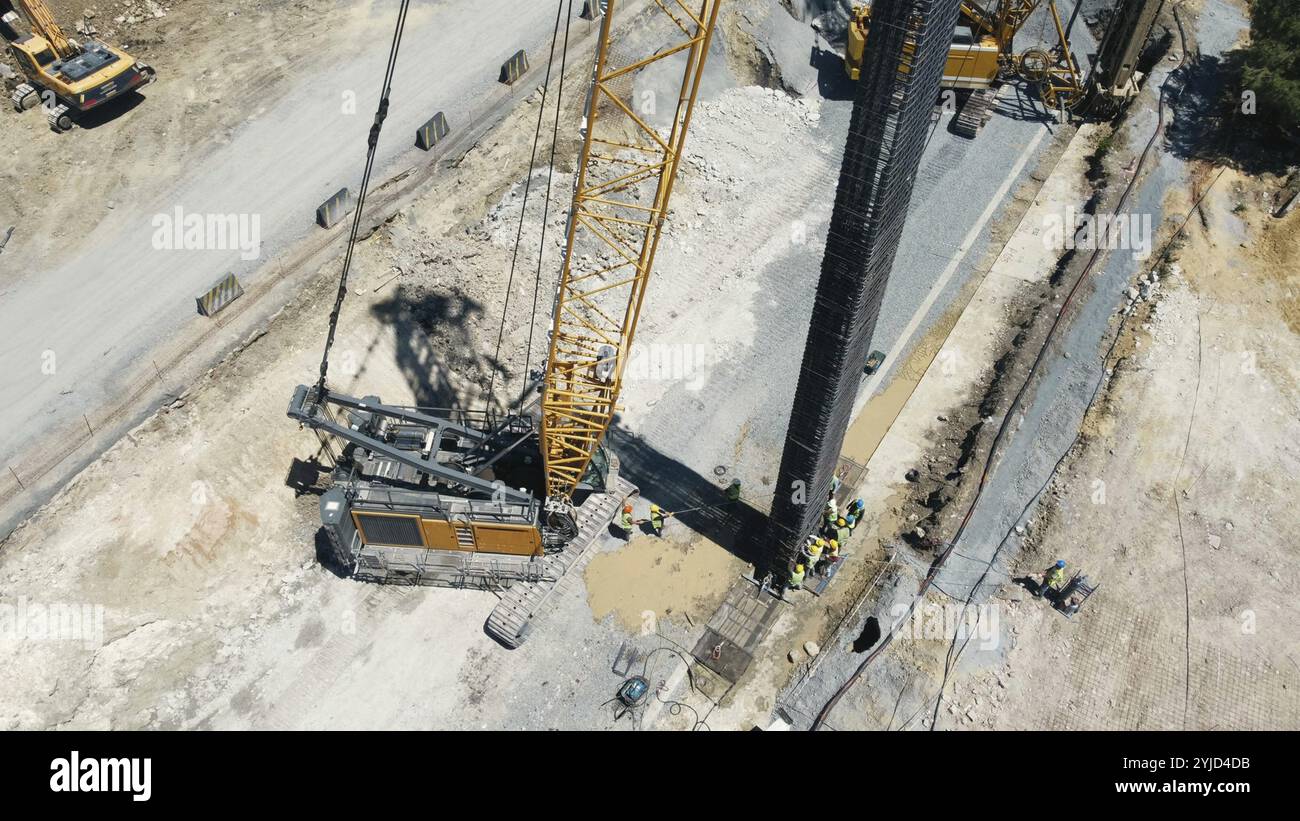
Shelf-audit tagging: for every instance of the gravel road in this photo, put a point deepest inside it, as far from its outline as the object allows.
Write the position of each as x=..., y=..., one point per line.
x=118, y=297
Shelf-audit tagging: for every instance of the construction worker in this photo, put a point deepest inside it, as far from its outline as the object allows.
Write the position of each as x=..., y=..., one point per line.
x=796, y=578
x=1053, y=578
x=857, y=508
x=851, y=521
x=832, y=509
x=842, y=531
x=812, y=552
x=626, y=523
x=830, y=554
x=733, y=491
x=657, y=516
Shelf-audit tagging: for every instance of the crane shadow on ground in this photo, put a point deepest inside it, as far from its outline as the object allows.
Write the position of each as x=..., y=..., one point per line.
x=1022, y=104
x=432, y=340
x=698, y=502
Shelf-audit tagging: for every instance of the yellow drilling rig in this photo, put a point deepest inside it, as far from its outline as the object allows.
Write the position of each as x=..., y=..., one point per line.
x=69, y=78
x=982, y=53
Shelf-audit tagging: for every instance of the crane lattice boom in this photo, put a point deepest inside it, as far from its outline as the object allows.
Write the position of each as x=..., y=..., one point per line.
x=625, y=179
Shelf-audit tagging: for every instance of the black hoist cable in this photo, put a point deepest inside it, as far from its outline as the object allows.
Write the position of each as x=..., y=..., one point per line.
x=372, y=142
x=523, y=214
x=546, y=211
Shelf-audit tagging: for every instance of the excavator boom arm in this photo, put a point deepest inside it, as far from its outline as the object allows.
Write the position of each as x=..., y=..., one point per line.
x=43, y=25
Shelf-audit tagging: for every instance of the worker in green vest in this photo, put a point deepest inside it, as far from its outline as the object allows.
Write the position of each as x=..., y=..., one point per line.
x=857, y=508
x=812, y=553
x=1053, y=578
x=657, y=516
x=626, y=522
x=842, y=532
x=796, y=578
x=733, y=491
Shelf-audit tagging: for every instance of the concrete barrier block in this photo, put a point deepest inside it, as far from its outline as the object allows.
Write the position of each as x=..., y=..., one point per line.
x=432, y=132
x=215, y=299
x=514, y=68
x=335, y=208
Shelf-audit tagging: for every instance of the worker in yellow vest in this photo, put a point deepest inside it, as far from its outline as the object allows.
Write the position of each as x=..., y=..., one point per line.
x=657, y=516
x=812, y=553
x=796, y=578
x=842, y=532
x=626, y=522
x=1053, y=578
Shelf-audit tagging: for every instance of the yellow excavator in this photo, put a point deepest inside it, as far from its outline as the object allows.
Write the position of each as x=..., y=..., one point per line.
x=68, y=77
x=982, y=54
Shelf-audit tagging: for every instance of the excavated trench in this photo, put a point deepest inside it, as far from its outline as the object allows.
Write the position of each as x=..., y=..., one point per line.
x=940, y=481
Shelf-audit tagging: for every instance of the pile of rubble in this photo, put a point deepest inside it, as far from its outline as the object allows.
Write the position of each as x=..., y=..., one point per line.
x=1146, y=288
x=135, y=11
x=129, y=13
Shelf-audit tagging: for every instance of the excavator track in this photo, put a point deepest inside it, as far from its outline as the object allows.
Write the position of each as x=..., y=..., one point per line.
x=60, y=118
x=25, y=97
x=977, y=111
x=525, y=602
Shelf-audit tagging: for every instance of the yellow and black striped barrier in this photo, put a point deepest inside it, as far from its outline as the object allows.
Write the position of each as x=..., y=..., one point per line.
x=514, y=68
x=226, y=291
x=335, y=208
x=432, y=132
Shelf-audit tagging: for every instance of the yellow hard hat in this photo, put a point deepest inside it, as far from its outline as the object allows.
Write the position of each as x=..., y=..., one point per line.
x=798, y=568
x=653, y=508
x=835, y=545
x=841, y=522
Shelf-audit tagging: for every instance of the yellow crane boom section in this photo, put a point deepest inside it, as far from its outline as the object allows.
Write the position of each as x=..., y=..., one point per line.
x=625, y=179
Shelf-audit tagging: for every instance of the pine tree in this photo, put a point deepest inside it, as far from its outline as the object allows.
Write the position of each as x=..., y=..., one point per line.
x=1272, y=62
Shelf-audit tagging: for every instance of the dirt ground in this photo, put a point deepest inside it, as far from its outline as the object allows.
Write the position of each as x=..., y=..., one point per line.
x=145, y=144
x=1180, y=502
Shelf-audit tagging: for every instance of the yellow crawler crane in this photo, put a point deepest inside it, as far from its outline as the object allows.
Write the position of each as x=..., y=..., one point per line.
x=625, y=180
x=460, y=498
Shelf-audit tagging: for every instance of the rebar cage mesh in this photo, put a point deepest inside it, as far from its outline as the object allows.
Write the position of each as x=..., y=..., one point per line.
x=902, y=65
